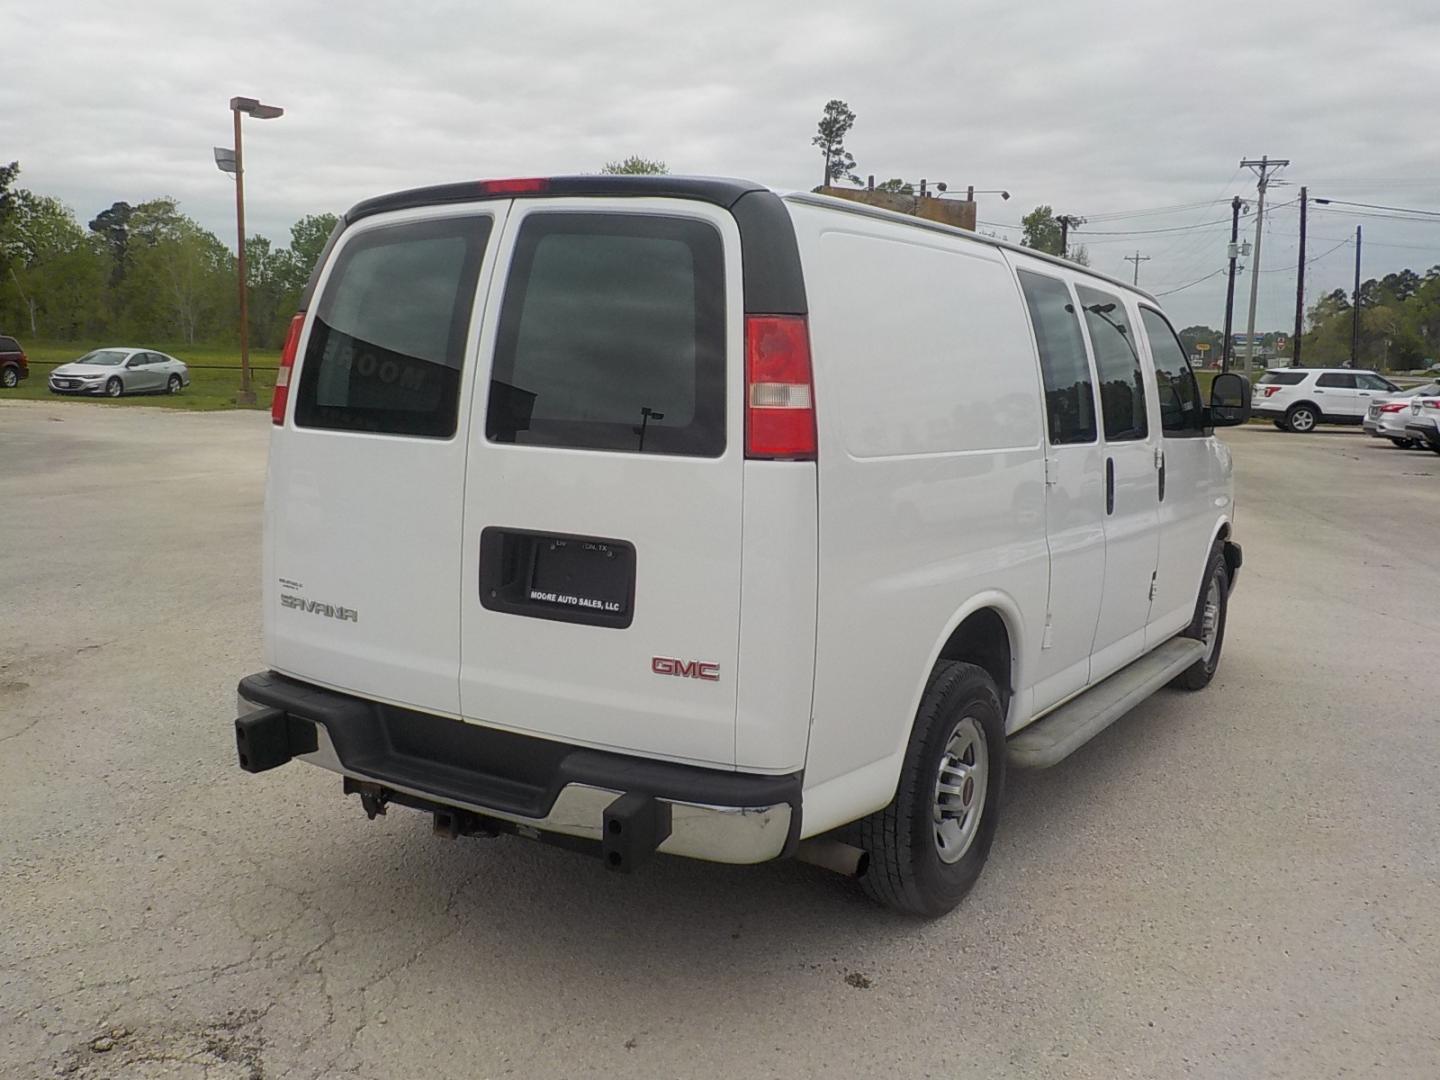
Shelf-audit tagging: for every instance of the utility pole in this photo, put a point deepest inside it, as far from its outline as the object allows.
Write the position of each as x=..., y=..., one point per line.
x=1067, y=221
x=1300, y=286
x=1263, y=170
x=1355, y=308
x=1225, y=347
x=1137, y=259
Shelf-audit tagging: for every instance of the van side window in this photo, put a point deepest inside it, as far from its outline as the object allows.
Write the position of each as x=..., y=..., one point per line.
x=1337, y=380
x=388, y=338
x=1069, y=391
x=1122, y=385
x=1180, y=409
x=612, y=336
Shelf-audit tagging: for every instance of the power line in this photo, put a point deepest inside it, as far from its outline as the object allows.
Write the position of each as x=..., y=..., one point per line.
x=1197, y=281
x=1317, y=258
x=1153, y=211
x=1376, y=216
x=1377, y=206
x=1376, y=243
x=1151, y=232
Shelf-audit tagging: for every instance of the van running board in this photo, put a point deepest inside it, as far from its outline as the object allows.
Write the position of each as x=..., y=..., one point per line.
x=1054, y=737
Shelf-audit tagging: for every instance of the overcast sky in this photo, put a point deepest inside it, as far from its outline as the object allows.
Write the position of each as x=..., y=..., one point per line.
x=1096, y=108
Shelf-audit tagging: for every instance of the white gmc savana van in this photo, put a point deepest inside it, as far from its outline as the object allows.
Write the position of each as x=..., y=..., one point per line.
x=644, y=514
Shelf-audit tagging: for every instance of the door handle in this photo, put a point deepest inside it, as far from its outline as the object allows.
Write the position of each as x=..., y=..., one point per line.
x=1110, y=485
x=1319, y=391
x=1160, y=461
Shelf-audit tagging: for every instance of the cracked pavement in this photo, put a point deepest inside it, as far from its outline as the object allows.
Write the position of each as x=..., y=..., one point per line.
x=1242, y=882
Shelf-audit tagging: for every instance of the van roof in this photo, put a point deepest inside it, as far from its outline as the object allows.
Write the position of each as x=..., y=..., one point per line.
x=830, y=202
x=720, y=191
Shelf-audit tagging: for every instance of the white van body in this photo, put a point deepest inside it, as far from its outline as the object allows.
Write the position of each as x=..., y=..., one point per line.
x=486, y=603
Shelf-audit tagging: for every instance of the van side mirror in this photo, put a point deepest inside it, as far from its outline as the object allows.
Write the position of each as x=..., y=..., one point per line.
x=1229, y=400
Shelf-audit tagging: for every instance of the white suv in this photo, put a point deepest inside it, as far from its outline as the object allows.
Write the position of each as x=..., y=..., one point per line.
x=642, y=514
x=1297, y=399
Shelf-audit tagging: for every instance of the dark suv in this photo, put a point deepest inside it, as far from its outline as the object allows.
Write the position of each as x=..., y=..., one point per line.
x=14, y=364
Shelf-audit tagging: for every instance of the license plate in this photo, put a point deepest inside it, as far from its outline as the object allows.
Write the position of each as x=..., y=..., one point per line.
x=587, y=574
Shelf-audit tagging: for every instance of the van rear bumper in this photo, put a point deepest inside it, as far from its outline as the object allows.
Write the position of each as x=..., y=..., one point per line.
x=533, y=785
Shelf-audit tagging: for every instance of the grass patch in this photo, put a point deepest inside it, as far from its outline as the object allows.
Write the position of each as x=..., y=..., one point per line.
x=214, y=377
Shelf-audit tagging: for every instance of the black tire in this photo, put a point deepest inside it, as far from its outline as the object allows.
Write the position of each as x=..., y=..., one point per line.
x=906, y=870
x=9, y=377
x=1279, y=425
x=173, y=385
x=1302, y=419
x=114, y=388
x=1403, y=444
x=1217, y=572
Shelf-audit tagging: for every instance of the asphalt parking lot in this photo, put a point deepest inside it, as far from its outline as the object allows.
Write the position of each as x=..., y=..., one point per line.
x=1243, y=882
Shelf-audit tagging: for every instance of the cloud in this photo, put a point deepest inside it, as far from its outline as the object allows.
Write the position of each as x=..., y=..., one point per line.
x=1091, y=107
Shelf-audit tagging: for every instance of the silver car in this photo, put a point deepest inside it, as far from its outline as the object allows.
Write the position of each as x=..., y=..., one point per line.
x=114, y=372
x=1387, y=416
x=1424, y=422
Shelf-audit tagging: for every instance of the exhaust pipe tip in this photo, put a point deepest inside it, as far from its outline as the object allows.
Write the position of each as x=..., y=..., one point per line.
x=844, y=859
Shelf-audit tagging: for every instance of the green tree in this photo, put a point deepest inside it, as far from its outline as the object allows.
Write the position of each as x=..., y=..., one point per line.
x=181, y=279
x=835, y=123
x=635, y=165
x=113, y=227
x=55, y=272
x=8, y=175
x=308, y=238
x=1192, y=336
x=896, y=186
x=1040, y=230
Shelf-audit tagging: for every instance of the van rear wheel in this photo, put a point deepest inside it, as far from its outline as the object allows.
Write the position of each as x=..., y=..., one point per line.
x=928, y=846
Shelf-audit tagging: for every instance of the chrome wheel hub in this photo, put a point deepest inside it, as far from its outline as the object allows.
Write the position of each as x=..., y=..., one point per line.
x=1210, y=619
x=960, y=786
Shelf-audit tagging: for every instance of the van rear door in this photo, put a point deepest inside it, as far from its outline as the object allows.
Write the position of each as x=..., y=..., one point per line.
x=603, y=495
x=367, y=470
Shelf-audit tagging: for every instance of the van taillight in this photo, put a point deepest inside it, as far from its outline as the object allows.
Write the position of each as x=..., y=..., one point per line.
x=282, y=376
x=779, y=390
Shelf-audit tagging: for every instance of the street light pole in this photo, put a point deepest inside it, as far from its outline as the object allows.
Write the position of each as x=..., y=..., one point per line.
x=257, y=111
x=246, y=396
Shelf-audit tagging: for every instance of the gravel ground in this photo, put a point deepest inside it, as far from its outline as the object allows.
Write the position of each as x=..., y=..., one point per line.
x=1237, y=883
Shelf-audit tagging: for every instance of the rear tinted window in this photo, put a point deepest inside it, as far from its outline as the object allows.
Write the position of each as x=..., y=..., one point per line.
x=388, y=339
x=9, y=344
x=1336, y=379
x=1282, y=378
x=612, y=336
x=1069, y=391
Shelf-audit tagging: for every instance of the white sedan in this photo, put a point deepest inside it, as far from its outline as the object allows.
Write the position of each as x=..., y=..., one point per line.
x=114, y=372
x=1424, y=423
